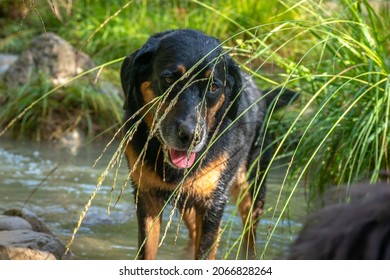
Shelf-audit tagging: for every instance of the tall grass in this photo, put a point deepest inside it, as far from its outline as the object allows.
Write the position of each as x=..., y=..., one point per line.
x=343, y=126
x=79, y=106
x=345, y=138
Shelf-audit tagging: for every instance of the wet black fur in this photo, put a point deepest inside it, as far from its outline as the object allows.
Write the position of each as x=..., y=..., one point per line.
x=358, y=230
x=243, y=139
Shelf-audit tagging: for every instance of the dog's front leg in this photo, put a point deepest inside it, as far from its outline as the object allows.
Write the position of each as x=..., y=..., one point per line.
x=149, y=214
x=208, y=232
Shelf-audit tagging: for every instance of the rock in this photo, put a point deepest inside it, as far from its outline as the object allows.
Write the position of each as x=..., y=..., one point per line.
x=28, y=245
x=71, y=139
x=50, y=55
x=5, y=61
x=36, y=224
x=47, y=62
x=13, y=223
x=24, y=237
x=24, y=254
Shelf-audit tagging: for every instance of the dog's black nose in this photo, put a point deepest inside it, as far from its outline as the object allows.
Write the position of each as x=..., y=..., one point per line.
x=189, y=134
x=185, y=133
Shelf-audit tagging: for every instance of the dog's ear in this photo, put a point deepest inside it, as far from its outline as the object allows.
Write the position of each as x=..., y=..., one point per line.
x=126, y=70
x=134, y=68
x=234, y=82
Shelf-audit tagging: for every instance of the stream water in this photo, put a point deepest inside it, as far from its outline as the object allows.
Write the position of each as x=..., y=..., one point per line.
x=55, y=183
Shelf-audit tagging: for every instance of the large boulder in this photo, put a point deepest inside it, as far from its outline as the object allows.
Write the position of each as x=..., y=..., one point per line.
x=34, y=221
x=13, y=223
x=50, y=55
x=24, y=237
x=29, y=245
x=5, y=61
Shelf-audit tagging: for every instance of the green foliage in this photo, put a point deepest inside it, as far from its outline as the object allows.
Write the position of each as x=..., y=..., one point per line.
x=345, y=137
x=114, y=35
x=81, y=105
x=341, y=133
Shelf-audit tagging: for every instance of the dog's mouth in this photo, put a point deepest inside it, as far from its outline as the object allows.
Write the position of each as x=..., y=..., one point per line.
x=181, y=155
x=182, y=159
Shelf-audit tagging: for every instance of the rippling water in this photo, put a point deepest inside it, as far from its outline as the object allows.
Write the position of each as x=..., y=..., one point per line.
x=61, y=181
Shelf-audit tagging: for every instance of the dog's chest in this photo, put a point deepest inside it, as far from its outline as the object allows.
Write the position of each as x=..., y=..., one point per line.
x=200, y=183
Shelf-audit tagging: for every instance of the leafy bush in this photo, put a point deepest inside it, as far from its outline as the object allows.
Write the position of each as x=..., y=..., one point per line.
x=56, y=111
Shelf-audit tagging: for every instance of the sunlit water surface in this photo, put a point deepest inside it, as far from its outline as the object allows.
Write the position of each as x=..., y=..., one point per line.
x=60, y=182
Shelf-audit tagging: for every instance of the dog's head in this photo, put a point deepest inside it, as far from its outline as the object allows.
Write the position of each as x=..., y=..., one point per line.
x=183, y=84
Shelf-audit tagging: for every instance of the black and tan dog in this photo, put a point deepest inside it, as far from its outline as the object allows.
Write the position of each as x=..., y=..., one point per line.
x=194, y=128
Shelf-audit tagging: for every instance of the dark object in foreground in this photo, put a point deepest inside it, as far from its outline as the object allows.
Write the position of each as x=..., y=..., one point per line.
x=359, y=230
x=195, y=124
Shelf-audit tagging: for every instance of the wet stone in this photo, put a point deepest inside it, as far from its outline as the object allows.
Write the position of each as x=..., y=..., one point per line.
x=13, y=223
x=24, y=237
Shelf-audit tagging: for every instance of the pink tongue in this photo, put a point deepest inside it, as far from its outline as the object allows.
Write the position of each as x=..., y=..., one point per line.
x=181, y=159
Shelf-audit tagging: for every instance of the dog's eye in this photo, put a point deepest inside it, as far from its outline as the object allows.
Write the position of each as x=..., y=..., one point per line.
x=214, y=87
x=169, y=80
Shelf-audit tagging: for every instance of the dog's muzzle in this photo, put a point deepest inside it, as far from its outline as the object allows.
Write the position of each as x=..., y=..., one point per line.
x=183, y=144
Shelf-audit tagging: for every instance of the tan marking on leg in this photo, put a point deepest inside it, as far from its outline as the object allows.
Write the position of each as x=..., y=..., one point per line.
x=249, y=216
x=189, y=217
x=212, y=252
x=198, y=236
x=149, y=219
x=153, y=226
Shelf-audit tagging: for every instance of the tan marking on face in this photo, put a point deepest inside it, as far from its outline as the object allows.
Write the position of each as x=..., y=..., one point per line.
x=211, y=112
x=181, y=69
x=147, y=92
x=207, y=74
x=148, y=95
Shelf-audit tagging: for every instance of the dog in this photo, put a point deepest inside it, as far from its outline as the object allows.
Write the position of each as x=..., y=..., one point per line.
x=358, y=230
x=193, y=131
